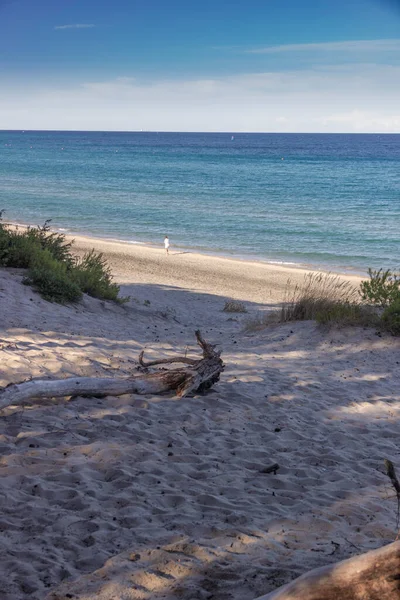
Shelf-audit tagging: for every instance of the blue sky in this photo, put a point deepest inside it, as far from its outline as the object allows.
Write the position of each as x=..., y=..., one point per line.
x=259, y=65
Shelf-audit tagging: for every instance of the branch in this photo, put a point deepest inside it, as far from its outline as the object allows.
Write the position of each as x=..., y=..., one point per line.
x=166, y=361
x=208, y=349
x=201, y=375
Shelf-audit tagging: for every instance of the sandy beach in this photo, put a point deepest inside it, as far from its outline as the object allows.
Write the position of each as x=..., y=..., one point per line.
x=252, y=281
x=151, y=497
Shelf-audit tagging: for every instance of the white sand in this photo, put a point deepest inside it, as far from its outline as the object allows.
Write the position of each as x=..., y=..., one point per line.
x=150, y=497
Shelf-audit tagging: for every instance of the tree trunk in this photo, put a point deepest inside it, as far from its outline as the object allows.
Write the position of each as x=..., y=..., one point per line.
x=371, y=576
x=201, y=375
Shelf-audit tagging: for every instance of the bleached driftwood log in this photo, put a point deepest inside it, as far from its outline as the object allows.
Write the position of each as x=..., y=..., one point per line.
x=371, y=576
x=199, y=376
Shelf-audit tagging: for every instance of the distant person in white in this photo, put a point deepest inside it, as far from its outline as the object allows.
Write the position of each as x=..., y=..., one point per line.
x=166, y=244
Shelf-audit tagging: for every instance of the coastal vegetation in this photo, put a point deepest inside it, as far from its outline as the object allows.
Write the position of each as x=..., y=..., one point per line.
x=52, y=269
x=327, y=298
x=234, y=306
x=317, y=295
x=382, y=289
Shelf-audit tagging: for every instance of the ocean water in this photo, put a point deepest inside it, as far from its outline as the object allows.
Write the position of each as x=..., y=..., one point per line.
x=324, y=200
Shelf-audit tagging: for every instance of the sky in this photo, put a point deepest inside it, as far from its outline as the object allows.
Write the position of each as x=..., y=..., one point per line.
x=200, y=65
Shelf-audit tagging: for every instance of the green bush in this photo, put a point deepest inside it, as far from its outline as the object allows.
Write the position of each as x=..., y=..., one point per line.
x=4, y=243
x=382, y=288
x=19, y=250
x=4, y=240
x=52, y=279
x=53, y=242
x=17, y=247
x=53, y=270
x=391, y=317
x=93, y=276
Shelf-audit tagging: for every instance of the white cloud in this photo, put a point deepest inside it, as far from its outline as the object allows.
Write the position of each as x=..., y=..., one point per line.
x=354, y=98
x=345, y=46
x=362, y=121
x=76, y=26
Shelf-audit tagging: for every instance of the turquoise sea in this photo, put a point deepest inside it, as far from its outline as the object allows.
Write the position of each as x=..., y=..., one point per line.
x=325, y=200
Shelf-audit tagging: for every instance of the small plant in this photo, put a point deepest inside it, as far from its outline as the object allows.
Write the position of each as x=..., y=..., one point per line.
x=382, y=288
x=51, y=279
x=146, y=302
x=319, y=293
x=390, y=319
x=232, y=306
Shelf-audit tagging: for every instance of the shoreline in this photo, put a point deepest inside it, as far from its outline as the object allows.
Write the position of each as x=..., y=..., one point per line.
x=254, y=281
x=224, y=255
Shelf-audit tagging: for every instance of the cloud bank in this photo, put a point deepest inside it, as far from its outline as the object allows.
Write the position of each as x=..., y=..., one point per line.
x=352, y=97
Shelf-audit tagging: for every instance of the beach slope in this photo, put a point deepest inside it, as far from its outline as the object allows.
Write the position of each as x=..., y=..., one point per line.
x=158, y=498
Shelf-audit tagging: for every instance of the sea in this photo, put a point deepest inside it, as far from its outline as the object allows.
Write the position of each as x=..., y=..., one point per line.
x=329, y=201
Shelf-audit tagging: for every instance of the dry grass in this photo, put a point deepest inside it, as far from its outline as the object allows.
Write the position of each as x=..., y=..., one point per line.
x=232, y=306
x=320, y=293
x=261, y=321
x=349, y=314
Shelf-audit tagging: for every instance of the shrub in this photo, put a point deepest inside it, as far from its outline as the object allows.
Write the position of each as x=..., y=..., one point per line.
x=382, y=289
x=319, y=293
x=234, y=307
x=390, y=319
x=93, y=276
x=19, y=250
x=4, y=244
x=53, y=270
x=51, y=279
x=52, y=241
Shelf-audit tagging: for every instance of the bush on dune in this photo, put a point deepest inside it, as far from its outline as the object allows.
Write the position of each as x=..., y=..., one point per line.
x=382, y=288
x=18, y=247
x=52, y=279
x=52, y=268
x=19, y=251
x=54, y=242
x=93, y=276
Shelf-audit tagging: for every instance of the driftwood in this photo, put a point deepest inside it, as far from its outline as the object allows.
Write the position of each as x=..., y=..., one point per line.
x=371, y=576
x=198, y=377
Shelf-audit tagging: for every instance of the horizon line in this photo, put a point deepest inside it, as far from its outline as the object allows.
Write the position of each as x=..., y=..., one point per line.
x=228, y=132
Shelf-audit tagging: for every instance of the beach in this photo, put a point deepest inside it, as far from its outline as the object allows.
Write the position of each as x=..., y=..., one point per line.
x=154, y=497
x=257, y=282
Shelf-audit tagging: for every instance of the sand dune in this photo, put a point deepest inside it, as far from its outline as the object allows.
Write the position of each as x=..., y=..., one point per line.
x=158, y=498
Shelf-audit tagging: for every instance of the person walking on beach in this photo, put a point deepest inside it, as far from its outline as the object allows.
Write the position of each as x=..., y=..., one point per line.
x=166, y=244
